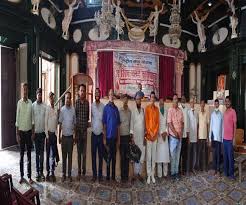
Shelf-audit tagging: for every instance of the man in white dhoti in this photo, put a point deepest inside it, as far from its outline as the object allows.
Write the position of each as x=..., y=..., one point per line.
x=162, y=151
x=137, y=130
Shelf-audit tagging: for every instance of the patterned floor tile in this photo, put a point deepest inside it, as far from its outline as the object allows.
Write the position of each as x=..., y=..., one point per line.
x=103, y=193
x=221, y=186
x=145, y=197
x=208, y=195
x=191, y=201
x=163, y=194
x=124, y=197
x=236, y=195
x=202, y=188
x=84, y=188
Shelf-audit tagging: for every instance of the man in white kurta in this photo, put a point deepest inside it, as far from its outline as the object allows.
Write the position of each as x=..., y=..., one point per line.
x=137, y=130
x=162, y=151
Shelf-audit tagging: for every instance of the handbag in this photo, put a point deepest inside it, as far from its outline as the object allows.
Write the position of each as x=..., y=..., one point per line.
x=134, y=153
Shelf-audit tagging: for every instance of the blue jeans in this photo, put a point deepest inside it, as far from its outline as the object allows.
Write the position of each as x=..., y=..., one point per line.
x=228, y=158
x=216, y=155
x=51, y=153
x=175, y=148
x=97, y=144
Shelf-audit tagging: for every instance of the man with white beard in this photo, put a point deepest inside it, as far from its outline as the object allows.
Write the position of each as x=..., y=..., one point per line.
x=137, y=130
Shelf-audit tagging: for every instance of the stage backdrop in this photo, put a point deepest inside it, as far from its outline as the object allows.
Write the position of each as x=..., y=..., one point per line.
x=131, y=68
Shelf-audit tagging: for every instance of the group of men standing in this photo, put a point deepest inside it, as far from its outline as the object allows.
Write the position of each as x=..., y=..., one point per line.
x=163, y=136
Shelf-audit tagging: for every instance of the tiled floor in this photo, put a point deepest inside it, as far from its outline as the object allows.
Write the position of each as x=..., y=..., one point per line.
x=200, y=189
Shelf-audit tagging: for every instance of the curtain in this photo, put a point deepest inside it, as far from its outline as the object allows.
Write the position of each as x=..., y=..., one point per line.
x=105, y=72
x=166, y=76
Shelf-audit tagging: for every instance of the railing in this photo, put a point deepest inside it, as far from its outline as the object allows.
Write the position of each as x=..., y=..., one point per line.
x=59, y=99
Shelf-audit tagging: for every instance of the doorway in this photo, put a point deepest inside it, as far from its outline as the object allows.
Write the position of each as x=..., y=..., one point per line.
x=7, y=96
x=49, y=80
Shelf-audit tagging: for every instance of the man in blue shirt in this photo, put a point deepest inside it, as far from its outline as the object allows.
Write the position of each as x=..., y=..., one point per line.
x=215, y=136
x=139, y=92
x=111, y=123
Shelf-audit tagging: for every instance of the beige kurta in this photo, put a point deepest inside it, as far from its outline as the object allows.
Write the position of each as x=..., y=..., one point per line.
x=138, y=129
x=162, y=151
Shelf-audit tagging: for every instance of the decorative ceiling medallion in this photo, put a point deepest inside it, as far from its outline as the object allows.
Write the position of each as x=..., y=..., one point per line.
x=136, y=34
x=95, y=36
x=48, y=18
x=166, y=40
x=14, y=1
x=220, y=36
x=190, y=46
x=77, y=35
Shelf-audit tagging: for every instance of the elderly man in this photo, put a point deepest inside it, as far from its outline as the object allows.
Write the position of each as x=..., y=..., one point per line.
x=137, y=131
x=162, y=151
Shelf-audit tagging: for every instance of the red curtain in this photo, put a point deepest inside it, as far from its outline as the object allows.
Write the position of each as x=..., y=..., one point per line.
x=166, y=76
x=105, y=72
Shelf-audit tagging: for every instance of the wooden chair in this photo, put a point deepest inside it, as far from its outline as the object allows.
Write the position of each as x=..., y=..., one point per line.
x=9, y=195
x=239, y=146
x=5, y=194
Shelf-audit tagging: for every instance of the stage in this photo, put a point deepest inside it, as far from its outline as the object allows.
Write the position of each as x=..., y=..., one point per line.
x=121, y=65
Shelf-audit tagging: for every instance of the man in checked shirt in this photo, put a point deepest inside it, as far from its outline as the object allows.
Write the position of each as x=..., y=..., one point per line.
x=82, y=118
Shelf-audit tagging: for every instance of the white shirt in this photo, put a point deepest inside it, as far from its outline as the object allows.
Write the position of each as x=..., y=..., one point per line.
x=203, y=125
x=51, y=119
x=193, y=122
x=186, y=121
x=162, y=148
x=96, y=118
x=216, y=122
x=38, y=113
x=137, y=127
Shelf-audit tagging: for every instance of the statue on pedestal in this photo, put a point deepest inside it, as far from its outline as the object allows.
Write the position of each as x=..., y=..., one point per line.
x=153, y=27
x=200, y=29
x=35, y=6
x=68, y=15
x=233, y=18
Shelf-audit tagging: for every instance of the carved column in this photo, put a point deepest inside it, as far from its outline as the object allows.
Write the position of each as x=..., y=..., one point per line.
x=179, y=65
x=192, y=80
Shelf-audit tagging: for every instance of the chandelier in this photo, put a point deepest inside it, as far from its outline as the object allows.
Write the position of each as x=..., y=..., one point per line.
x=175, y=28
x=105, y=18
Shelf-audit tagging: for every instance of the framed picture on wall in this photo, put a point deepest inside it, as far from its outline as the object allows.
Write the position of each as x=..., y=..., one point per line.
x=221, y=83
